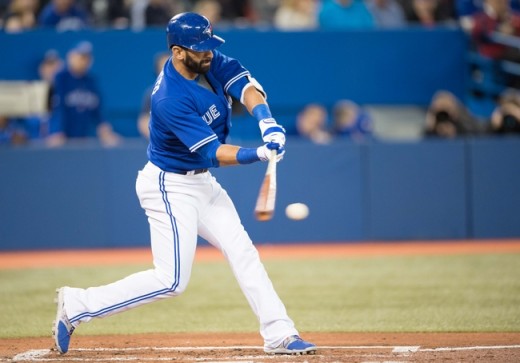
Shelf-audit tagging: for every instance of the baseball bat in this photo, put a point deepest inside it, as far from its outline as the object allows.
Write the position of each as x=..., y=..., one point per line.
x=265, y=201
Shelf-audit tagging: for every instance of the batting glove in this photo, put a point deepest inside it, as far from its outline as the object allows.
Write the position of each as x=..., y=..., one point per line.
x=271, y=131
x=264, y=151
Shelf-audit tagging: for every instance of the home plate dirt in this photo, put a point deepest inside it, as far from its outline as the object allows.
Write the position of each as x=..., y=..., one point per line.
x=236, y=347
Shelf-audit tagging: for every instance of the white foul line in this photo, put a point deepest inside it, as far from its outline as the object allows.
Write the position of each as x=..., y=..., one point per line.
x=478, y=347
x=38, y=355
x=166, y=349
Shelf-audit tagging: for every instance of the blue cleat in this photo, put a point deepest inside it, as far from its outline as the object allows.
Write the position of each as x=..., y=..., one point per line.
x=62, y=328
x=292, y=345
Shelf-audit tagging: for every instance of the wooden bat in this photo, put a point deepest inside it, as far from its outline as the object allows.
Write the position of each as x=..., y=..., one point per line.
x=265, y=202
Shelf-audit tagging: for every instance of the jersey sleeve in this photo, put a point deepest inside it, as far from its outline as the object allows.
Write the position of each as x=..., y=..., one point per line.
x=235, y=78
x=181, y=119
x=230, y=73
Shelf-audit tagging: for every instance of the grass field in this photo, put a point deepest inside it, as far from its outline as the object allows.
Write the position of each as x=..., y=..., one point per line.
x=453, y=293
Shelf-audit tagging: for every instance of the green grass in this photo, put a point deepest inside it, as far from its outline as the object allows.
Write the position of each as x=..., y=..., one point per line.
x=387, y=294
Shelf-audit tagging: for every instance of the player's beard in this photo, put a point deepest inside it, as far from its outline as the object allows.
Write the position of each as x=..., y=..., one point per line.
x=201, y=67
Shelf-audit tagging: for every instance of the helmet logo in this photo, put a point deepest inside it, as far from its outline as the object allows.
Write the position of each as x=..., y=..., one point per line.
x=208, y=31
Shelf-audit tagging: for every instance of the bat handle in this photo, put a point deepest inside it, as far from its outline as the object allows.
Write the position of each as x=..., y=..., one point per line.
x=272, y=162
x=274, y=152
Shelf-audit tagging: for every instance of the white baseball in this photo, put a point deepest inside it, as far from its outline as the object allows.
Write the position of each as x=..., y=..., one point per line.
x=297, y=211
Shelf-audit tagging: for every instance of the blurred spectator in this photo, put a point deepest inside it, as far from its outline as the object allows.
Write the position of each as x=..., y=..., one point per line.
x=138, y=11
x=211, y=9
x=21, y=16
x=506, y=116
x=466, y=8
x=428, y=13
x=264, y=10
x=37, y=126
x=311, y=123
x=118, y=13
x=158, y=13
x=352, y=121
x=63, y=15
x=11, y=132
x=497, y=16
x=137, y=16
x=31, y=127
x=109, y=13
x=238, y=12
x=49, y=66
x=387, y=13
x=345, y=14
x=4, y=5
x=144, y=115
x=296, y=15
x=76, y=106
x=447, y=117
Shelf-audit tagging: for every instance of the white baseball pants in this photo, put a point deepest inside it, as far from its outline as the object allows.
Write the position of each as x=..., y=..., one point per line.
x=178, y=208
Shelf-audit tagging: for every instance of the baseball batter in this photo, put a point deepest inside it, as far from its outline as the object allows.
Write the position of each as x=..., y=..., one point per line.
x=190, y=119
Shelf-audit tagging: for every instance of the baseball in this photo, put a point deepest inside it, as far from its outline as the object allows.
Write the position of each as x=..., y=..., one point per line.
x=297, y=211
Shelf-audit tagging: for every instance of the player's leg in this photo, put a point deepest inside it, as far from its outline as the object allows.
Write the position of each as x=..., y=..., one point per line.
x=173, y=226
x=221, y=226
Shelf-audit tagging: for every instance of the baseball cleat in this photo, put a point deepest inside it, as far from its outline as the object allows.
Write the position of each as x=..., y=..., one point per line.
x=292, y=345
x=62, y=329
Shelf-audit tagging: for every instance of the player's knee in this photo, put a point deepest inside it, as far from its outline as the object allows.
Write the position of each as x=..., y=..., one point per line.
x=173, y=284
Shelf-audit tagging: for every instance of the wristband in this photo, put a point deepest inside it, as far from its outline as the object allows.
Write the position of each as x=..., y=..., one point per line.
x=247, y=155
x=261, y=112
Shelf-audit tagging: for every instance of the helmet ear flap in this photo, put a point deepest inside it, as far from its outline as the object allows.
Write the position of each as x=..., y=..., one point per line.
x=192, y=31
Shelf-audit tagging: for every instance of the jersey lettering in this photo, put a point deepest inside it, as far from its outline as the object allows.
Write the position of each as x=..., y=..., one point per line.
x=82, y=100
x=158, y=83
x=211, y=114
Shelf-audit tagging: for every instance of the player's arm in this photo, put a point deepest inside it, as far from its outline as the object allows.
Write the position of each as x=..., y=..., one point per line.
x=272, y=133
x=107, y=135
x=56, y=135
x=227, y=155
x=239, y=83
x=255, y=102
x=253, y=97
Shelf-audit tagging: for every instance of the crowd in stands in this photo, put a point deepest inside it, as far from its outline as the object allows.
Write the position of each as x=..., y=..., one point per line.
x=347, y=120
x=446, y=116
x=20, y=15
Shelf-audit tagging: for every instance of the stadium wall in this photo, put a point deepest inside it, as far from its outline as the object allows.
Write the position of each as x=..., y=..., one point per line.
x=391, y=67
x=83, y=196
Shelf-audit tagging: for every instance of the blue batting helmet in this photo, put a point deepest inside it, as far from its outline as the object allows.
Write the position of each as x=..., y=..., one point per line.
x=192, y=31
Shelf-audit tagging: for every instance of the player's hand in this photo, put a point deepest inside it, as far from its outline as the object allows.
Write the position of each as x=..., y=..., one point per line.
x=271, y=131
x=264, y=151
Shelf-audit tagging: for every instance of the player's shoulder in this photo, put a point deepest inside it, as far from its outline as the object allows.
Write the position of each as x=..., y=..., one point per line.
x=169, y=88
x=171, y=94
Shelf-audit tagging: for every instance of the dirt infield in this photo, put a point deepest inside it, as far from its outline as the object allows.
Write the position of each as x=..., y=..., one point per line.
x=246, y=347
x=64, y=258
x=217, y=347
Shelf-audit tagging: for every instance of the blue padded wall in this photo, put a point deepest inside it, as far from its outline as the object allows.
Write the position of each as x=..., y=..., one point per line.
x=417, y=190
x=84, y=196
x=495, y=187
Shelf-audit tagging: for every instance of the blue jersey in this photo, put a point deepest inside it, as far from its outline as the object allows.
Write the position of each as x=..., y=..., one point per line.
x=72, y=19
x=76, y=106
x=186, y=116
